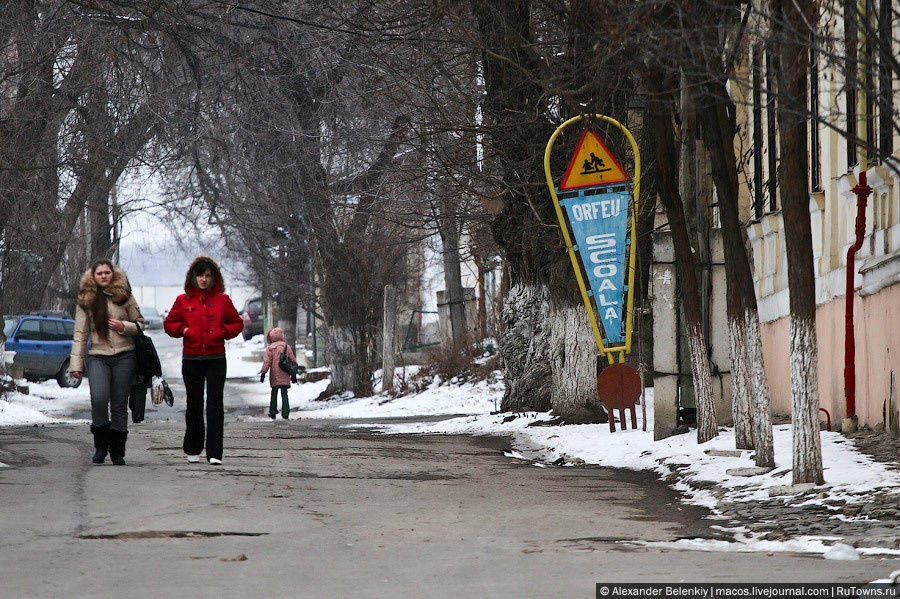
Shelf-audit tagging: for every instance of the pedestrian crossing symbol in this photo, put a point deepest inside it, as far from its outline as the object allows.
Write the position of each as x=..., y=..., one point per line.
x=592, y=164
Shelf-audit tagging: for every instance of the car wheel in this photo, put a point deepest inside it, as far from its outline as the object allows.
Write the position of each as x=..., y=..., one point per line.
x=65, y=379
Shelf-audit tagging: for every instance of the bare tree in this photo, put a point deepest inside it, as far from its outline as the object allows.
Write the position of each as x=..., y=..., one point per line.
x=792, y=36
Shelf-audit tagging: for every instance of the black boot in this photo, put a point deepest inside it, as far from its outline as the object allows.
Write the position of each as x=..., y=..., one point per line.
x=117, y=446
x=101, y=443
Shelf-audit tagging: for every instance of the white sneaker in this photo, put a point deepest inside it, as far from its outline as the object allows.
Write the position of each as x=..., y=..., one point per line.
x=215, y=461
x=193, y=459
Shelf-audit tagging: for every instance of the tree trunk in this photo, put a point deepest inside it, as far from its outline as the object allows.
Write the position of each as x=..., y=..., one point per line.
x=685, y=266
x=349, y=362
x=692, y=162
x=524, y=345
x=450, y=256
x=750, y=389
x=286, y=318
x=340, y=350
x=791, y=110
x=515, y=109
x=573, y=355
x=388, y=338
x=101, y=234
x=739, y=278
x=762, y=415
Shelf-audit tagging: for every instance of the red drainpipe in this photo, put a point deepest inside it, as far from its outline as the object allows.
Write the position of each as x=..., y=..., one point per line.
x=827, y=419
x=862, y=191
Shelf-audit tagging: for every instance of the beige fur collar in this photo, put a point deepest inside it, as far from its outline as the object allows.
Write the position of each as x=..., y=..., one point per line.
x=119, y=289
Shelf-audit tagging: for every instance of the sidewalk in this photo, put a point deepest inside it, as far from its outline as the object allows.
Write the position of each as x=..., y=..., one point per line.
x=855, y=513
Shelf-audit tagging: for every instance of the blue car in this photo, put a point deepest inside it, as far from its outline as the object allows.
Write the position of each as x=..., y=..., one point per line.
x=42, y=345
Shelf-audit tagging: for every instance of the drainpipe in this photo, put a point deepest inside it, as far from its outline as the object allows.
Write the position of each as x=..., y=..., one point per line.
x=862, y=191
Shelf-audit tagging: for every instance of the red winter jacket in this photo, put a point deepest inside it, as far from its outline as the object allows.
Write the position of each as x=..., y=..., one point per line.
x=208, y=316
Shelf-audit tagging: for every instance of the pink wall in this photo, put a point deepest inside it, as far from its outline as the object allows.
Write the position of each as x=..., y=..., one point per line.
x=877, y=320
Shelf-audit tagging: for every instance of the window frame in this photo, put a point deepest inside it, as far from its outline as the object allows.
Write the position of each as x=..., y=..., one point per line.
x=22, y=323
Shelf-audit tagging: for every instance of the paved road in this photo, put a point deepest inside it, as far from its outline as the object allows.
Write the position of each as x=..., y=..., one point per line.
x=307, y=509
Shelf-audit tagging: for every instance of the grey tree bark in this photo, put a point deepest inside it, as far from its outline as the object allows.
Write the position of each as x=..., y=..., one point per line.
x=451, y=259
x=388, y=338
x=524, y=345
x=573, y=356
x=685, y=266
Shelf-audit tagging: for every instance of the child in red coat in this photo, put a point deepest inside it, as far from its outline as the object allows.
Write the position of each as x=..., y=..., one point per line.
x=278, y=378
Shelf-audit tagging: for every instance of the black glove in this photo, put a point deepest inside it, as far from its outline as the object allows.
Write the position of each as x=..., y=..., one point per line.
x=262, y=377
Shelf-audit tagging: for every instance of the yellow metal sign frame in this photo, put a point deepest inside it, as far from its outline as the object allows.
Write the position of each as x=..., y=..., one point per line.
x=619, y=352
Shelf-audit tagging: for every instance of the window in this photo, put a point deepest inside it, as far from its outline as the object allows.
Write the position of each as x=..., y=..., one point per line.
x=885, y=82
x=757, y=133
x=52, y=330
x=871, y=81
x=876, y=60
x=29, y=331
x=850, y=42
x=69, y=328
x=815, y=166
x=772, y=133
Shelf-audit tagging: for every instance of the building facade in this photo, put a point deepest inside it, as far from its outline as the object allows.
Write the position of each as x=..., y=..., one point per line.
x=854, y=58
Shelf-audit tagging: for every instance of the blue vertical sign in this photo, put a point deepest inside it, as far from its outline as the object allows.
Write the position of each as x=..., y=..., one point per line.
x=598, y=218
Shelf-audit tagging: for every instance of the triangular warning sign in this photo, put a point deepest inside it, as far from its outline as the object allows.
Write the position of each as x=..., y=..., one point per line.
x=592, y=164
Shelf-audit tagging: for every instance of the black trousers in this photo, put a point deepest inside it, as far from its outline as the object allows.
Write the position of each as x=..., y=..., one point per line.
x=273, y=403
x=198, y=373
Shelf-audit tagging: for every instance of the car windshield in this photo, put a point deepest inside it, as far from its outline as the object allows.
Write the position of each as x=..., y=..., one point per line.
x=10, y=325
x=150, y=312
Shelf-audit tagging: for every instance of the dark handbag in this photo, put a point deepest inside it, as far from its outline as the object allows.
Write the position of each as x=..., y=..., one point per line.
x=288, y=365
x=147, y=360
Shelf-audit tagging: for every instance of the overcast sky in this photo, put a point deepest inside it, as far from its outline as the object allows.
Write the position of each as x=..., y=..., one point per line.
x=155, y=251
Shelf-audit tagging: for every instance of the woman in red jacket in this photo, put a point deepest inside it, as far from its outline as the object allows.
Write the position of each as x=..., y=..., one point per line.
x=205, y=317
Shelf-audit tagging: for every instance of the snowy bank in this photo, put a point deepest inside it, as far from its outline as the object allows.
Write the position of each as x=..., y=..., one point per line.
x=45, y=403
x=699, y=472
x=850, y=475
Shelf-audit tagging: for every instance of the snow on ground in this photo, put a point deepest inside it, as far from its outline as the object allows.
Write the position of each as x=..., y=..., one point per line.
x=850, y=475
x=435, y=400
x=46, y=402
x=746, y=542
x=244, y=357
x=13, y=412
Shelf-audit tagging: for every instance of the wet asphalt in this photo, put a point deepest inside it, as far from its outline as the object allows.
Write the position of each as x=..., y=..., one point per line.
x=306, y=508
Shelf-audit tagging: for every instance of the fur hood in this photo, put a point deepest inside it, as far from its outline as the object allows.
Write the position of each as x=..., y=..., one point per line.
x=274, y=336
x=119, y=290
x=218, y=286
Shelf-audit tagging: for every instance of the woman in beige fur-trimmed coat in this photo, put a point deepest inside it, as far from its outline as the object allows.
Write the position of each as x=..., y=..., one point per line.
x=109, y=316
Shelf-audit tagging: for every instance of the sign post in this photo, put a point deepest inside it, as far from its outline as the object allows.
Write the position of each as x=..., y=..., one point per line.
x=599, y=226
